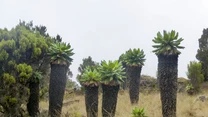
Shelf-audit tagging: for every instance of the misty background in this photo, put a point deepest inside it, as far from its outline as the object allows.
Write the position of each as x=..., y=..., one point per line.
x=104, y=29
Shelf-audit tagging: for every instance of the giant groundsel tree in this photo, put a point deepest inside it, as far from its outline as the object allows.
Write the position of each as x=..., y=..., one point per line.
x=166, y=49
x=112, y=74
x=90, y=79
x=134, y=59
x=60, y=54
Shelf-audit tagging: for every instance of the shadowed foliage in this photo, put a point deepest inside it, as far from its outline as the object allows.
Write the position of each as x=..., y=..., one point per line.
x=26, y=46
x=38, y=86
x=202, y=53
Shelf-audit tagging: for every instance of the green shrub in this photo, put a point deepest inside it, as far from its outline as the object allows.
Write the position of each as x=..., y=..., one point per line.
x=195, y=75
x=190, y=89
x=138, y=112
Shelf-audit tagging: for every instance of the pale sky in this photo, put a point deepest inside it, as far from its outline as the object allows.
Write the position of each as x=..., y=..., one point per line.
x=104, y=29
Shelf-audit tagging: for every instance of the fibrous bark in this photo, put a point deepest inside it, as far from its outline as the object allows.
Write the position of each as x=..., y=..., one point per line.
x=134, y=77
x=91, y=101
x=167, y=74
x=33, y=102
x=126, y=80
x=110, y=94
x=57, y=88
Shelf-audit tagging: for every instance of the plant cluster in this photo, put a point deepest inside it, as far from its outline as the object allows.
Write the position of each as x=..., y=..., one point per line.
x=111, y=73
x=26, y=51
x=22, y=51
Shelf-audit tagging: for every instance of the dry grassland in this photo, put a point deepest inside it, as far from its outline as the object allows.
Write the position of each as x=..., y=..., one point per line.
x=187, y=106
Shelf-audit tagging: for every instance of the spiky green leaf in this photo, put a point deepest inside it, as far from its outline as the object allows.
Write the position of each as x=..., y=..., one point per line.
x=168, y=43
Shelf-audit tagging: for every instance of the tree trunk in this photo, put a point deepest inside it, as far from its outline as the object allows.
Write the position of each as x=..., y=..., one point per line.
x=158, y=82
x=125, y=84
x=134, y=77
x=56, y=89
x=167, y=74
x=33, y=102
x=91, y=101
x=110, y=94
x=125, y=79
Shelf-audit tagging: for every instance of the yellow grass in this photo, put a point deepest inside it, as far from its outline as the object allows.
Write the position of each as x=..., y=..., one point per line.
x=186, y=105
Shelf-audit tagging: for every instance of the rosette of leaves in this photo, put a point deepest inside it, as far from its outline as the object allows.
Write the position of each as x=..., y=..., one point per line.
x=86, y=62
x=90, y=77
x=60, y=53
x=167, y=44
x=134, y=57
x=112, y=72
x=122, y=57
x=138, y=112
x=36, y=76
